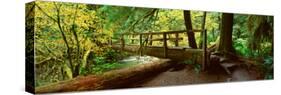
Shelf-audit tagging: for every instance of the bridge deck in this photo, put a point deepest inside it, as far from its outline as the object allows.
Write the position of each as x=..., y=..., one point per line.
x=173, y=53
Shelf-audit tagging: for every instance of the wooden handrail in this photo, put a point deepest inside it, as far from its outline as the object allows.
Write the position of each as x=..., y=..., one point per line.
x=157, y=39
x=167, y=32
x=173, y=39
x=176, y=33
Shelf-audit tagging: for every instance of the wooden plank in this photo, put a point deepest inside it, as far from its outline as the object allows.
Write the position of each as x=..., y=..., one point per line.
x=141, y=45
x=160, y=39
x=202, y=27
x=177, y=41
x=195, y=30
x=178, y=54
x=204, y=50
x=155, y=33
x=165, y=45
x=122, y=42
x=133, y=39
x=160, y=33
x=110, y=41
x=150, y=42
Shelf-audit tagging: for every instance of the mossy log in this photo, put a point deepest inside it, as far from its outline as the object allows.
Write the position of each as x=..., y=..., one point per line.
x=113, y=79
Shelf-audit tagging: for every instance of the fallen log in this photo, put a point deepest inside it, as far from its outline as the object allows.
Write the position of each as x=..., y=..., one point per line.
x=109, y=80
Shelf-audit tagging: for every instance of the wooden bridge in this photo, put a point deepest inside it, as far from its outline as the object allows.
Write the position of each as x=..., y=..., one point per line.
x=172, y=47
x=142, y=43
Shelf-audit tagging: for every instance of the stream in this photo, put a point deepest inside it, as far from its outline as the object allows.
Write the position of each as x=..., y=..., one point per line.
x=138, y=59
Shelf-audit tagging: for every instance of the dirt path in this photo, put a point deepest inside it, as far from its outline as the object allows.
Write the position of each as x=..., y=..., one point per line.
x=186, y=75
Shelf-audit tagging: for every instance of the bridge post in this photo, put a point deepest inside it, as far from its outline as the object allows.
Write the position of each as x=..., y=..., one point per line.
x=122, y=42
x=151, y=37
x=205, y=58
x=141, y=45
x=110, y=41
x=165, y=45
x=132, y=41
x=177, y=39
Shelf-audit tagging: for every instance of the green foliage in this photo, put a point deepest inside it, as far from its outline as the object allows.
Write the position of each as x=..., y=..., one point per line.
x=261, y=30
x=106, y=62
x=240, y=46
x=83, y=71
x=246, y=36
x=100, y=60
x=70, y=36
x=104, y=65
x=196, y=66
x=112, y=55
x=98, y=69
x=63, y=34
x=268, y=67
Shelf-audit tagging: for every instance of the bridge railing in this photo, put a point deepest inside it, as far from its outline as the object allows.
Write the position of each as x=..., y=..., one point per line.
x=147, y=39
x=132, y=38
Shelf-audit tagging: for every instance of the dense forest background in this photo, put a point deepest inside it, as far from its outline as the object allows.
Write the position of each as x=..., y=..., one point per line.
x=72, y=39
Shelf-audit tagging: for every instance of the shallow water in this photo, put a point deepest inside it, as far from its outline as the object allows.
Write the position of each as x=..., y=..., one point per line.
x=139, y=59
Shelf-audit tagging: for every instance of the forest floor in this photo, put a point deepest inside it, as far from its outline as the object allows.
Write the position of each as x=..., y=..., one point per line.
x=184, y=75
x=154, y=74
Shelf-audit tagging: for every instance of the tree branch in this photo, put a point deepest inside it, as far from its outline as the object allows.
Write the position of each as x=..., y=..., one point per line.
x=45, y=12
x=74, y=31
x=64, y=38
x=142, y=19
x=31, y=9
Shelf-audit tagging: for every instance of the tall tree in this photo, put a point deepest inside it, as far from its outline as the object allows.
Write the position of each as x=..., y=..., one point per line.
x=261, y=30
x=225, y=43
x=188, y=25
x=202, y=27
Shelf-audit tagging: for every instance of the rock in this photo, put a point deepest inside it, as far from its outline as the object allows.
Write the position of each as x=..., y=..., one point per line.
x=227, y=67
x=241, y=74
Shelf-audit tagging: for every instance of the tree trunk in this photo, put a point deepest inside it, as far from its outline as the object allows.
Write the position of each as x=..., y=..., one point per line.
x=202, y=27
x=225, y=43
x=188, y=25
x=69, y=51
